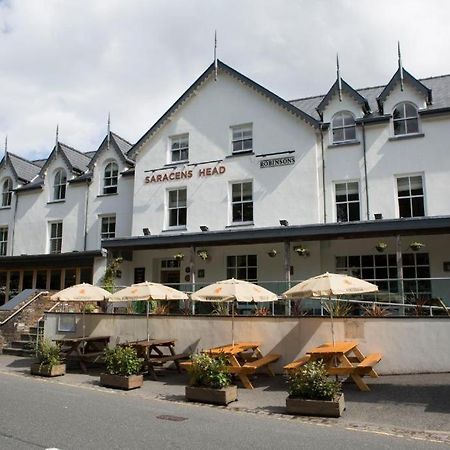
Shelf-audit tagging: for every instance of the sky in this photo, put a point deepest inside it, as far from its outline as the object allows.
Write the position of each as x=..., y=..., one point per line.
x=71, y=62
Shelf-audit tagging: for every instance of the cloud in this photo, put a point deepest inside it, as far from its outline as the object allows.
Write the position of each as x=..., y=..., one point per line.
x=70, y=62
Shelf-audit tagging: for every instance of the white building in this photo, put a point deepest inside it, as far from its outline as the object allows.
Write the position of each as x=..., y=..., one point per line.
x=235, y=181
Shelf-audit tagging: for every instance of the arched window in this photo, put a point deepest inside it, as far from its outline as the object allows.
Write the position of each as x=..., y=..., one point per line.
x=343, y=127
x=59, y=185
x=110, y=178
x=405, y=119
x=7, y=192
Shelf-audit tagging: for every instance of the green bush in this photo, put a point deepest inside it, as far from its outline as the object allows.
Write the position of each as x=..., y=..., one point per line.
x=311, y=382
x=122, y=360
x=48, y=353
x=209, y=371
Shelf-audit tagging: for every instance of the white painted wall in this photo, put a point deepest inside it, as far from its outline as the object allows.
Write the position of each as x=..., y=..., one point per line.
x=7, y=212
x=404, y=342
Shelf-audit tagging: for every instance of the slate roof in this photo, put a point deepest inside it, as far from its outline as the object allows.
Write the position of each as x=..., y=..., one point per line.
x=78, y=160
x=35, y=184
x=117, y=142
x=25, y=170
x=439, y=85
x=123, y=145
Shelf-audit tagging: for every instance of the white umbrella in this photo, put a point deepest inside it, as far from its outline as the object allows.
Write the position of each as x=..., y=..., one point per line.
x=147, y=291
x=83, y=292
x=329, y=284
x=231, y=290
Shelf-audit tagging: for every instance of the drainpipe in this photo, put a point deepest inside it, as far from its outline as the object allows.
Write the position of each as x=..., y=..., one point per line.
x=86, y=206
x=192, y=272
x=398, y=241
x=323, y=178
x=366, y=181
x=287, y=272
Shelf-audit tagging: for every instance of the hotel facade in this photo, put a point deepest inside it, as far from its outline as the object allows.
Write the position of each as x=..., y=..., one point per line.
x=234, y=181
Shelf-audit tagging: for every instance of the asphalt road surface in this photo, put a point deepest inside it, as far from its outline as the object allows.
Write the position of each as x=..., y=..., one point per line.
x=39, y=414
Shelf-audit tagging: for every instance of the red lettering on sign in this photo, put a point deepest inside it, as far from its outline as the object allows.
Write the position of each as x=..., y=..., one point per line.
x=221, y=170
x=147, y=179
x=158, y=177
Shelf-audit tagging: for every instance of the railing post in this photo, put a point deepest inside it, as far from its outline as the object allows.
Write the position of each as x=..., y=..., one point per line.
x=192, y=271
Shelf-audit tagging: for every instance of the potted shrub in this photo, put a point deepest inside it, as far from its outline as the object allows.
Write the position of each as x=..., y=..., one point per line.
x=381, y=246
x=415, y=246
x=49, y=360
x=313, y=393
x=210, y=381
x=122, y=368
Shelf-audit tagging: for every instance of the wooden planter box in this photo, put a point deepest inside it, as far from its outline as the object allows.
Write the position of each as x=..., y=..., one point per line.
x=47, y=371
x=209, y=395
x=324, y=408
x=121, y=382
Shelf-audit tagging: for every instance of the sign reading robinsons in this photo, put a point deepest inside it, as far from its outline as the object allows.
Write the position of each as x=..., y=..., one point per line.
x=276, y=162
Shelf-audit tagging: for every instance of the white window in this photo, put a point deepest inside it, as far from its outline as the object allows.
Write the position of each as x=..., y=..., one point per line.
x=242, y=267
x=3, y=241
x=405, y=119
x=242, y=138
x=56, y=230
x=343, y=127
x=59, y=185
x=177, y=207
x=410, y=196
x=7, y=192
x=179, y=148
x=347, y=201
x=242, y=202
x=110, y=178
x=108, y=230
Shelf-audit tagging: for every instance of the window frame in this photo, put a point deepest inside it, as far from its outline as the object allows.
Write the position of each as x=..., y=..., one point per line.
x=110, y=187
x=4, y=240
x=411, y=196
x=232, y=271
x=242, y=202
x=55, y=239
x=59, y=185
x=7, y=193
x=178, y=208
x=347, y=202
x=106, y=234
x=404, y=119
x=178, y=138
x=241, y=127
x=343, y=127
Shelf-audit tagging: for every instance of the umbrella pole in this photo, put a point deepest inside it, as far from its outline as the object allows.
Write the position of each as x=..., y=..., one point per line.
x=148, y=333
x=232, y=322
x=332, y=323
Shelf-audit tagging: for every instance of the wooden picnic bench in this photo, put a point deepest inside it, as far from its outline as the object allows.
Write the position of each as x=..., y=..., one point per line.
x=342, y=359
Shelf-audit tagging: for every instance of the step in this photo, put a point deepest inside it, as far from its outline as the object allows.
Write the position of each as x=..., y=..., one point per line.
x=17, y=351
x=26, y=345
x=30, y=337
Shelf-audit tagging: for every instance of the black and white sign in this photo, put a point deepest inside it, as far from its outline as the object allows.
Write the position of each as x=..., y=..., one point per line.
x=277, y=162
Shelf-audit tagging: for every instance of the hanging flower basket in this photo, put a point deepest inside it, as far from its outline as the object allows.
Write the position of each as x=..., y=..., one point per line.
x=301, y=251
x=203, y=254
x=272, y=253
x=415, y=246
x=178, y=256
x=381, y=247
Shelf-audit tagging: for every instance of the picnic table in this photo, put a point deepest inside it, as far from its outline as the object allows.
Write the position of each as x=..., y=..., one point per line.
x=157, y=352
x=342, y=359
x=86, y=349
x=245, y=358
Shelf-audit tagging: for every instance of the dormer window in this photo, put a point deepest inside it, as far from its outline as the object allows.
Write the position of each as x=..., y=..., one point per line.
x=343, y=127
x=405, y=119
x=7, y=192
x=110, y=178
x=59, y=185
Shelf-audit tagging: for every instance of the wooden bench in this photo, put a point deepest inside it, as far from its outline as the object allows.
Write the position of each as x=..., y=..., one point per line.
x=262, y=362
x=297, y=363
x=365, y=367
x=166, y=358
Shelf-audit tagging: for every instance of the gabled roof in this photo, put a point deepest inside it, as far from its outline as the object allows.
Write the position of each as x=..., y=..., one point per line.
x=407, y=77
x=120, y=145
x=196, y=85
x=76, y=161
x=334, y=90
x=23, y=169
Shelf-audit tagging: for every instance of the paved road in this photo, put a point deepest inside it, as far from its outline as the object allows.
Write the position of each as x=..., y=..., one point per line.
x=40, y=414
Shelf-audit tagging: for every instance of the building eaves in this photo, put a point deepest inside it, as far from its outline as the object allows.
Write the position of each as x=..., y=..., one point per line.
x=38, y=183
x=196, y=85
x=85, y=178
x=349, y=230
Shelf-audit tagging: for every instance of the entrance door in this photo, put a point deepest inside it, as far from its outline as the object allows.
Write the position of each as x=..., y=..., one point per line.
x=171, y=278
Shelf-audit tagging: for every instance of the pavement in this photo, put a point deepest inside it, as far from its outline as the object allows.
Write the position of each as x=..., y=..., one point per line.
x=414, y=406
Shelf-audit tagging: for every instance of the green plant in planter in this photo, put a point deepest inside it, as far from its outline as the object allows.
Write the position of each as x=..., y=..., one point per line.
x=381, y=246
x=48, y=353
x=209, y=371
x=415, y=245
x=311, y=382
x=122, y=361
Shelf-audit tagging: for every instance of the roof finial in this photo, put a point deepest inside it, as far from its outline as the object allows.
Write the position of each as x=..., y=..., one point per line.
x=215, y=55
x=338, y=73
x=6, y=144
x=108, y=135
x=400, y=65
x=57, y=136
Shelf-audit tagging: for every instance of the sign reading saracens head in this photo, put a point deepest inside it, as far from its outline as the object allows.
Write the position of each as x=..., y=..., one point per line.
x=184, y=174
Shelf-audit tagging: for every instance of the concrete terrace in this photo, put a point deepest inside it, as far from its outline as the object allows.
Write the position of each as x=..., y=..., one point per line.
x=414, y=406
